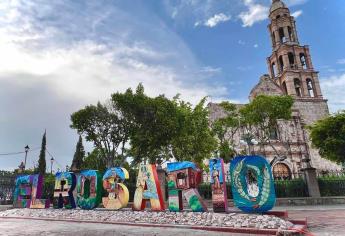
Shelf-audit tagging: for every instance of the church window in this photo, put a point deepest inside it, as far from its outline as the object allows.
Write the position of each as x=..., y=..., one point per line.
x=278, y=16
x=281, y=63
x=291, y=59
x=273, y=40
x=290, y=34
x=303, y=60
x=297, y=83
x=282, y=35
x=310, y=88
x=274, y=70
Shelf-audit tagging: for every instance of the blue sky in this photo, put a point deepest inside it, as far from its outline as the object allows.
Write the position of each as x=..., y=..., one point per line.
x=58, y=56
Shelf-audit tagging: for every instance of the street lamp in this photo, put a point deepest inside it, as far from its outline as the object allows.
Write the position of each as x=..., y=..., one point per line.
x=51, y=165
x=26, y=154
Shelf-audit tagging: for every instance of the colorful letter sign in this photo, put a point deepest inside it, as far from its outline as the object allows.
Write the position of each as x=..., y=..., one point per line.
x=252, y=184
x=65, y=183
x=185, y=177
x=89, y=189
x=148, y=188
x=118, y=194
x=28, y=192
x=219, y=196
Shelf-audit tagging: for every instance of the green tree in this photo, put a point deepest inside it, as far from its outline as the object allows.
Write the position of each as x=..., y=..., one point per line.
x=328, y=135
x=42, y=158
x=163, y=128
x=194, y=140
x=225, y=129
x=94, y=161
x=153, y=123
x=105, y=127
x=78, y=155
x=261, y=117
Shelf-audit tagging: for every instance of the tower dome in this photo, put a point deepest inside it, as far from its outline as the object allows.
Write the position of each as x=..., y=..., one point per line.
x=276, y=4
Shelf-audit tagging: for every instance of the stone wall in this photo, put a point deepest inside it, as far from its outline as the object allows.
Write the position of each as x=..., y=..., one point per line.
x=293, y=139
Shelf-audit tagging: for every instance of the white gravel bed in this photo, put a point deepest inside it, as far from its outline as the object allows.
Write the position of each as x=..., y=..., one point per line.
x=236, y=220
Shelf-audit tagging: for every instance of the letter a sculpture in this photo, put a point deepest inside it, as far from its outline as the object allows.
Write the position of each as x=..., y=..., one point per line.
x=148, y=188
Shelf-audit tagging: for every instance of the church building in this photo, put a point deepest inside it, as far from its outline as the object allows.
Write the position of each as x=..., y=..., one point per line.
x=291, y=72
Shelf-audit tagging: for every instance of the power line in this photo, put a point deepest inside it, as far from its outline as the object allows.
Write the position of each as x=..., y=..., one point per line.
x=54, y=158
x=16, y=153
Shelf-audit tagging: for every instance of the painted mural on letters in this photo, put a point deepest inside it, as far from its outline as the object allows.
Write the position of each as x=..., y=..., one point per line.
x=117, y=193
x=89, y=189
x=218, y=184
x=148, y=188
x=28, y=192
x=252, y=184
x=183, y=179
x=65, y=183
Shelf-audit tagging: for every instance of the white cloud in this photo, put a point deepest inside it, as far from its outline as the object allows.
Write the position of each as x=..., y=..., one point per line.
x=241, y=42
x=333, y=89
x=341, y=61
x=211, y=70
x=256, y=45
x=47, y=71
x=216, y=19
x=297, y=13
x=255, y=13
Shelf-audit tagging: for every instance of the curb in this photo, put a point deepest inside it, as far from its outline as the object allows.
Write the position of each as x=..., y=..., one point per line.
x=296, y=229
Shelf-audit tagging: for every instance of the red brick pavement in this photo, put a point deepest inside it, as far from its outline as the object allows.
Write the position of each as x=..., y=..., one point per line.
x=322, y=222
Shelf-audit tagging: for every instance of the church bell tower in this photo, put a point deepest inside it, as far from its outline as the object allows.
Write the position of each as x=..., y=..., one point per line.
x=290, y=64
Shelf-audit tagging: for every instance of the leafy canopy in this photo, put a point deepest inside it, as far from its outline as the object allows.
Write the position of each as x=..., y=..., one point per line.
x=328, y=135
x=105, y=127
x=261, y=115
x=225, y=128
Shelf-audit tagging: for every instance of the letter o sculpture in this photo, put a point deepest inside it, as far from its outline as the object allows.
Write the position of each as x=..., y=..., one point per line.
x=252, y=184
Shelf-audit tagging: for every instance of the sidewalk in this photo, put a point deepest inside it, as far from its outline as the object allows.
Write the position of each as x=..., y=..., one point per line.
x=326, y=220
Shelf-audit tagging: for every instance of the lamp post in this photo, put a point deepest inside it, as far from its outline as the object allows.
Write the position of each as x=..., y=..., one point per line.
x=51, y=165
x=26, y=154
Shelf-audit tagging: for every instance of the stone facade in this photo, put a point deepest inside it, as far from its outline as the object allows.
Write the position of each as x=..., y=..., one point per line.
x=291, y=72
